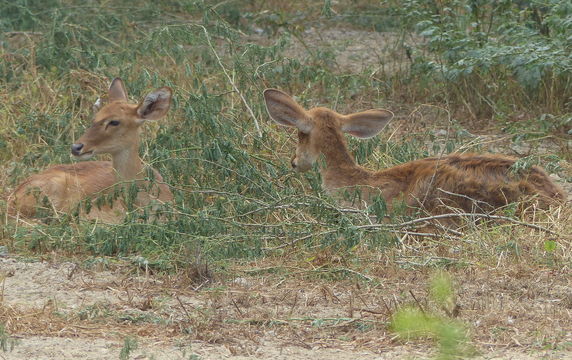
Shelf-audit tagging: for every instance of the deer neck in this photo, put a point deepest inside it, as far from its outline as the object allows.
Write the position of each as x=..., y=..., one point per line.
x=127, y=165
x=341, y=169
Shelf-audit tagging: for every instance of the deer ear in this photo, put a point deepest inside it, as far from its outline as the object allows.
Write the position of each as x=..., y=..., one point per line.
x=285, y=111
x=155, y=105
x=366, y=124
x=117, y=90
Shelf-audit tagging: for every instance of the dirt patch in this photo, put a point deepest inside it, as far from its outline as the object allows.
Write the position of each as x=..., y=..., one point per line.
x=68, y=286
x=99, y=349
x=29, y=285
x=264, y=314
x=44, y=348
x=347, y=50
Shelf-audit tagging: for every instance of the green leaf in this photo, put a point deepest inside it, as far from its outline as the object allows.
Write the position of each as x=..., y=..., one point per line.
x=550, y=245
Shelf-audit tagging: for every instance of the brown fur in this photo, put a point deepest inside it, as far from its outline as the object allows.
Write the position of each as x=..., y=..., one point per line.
x=472, y=182
x=65, y=186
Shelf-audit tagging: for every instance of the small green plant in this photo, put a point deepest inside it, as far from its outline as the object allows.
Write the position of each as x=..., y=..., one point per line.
x=414, y=322
x=550, y=246
x=129, y=344
x=7, y=343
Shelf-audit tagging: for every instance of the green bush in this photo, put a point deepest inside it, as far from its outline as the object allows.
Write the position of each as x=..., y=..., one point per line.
x=491, y=54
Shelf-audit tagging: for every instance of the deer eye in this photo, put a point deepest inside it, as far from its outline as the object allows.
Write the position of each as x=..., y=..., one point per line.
x=113, y=123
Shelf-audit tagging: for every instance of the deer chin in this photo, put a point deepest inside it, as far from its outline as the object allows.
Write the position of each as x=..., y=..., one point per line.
x=85, y=156
x=302, y=164
x=302, y=167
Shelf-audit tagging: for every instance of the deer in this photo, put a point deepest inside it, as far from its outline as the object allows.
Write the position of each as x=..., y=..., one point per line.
x=470, y=182
x=115, y=130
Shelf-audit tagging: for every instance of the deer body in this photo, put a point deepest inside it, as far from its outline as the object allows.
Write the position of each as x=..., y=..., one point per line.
x=115, y=130
x=472, y=182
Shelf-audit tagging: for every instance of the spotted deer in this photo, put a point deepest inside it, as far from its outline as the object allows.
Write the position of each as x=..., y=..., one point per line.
x=115, y=131
x=471, y=182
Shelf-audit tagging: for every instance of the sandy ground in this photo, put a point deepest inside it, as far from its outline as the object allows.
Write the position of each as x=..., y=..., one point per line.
x=348, y=50
x=47, y=303
x=42, y=348
x=56, y=348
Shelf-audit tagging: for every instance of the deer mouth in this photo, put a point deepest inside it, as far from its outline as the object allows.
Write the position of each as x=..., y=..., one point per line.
x=84, y=155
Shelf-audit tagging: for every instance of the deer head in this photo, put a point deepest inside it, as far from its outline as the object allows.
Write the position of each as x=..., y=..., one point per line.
x=115, y=127
x=320, y=129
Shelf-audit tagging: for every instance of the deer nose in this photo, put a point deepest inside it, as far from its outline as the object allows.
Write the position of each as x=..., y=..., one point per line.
x=293, y=163
x=76, y=149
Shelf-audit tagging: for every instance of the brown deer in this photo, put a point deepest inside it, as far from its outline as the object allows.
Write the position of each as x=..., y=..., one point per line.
x=471, y=182
x=115, y=130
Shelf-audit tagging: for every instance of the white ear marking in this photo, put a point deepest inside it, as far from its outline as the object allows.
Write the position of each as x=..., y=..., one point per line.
x=97, y=105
